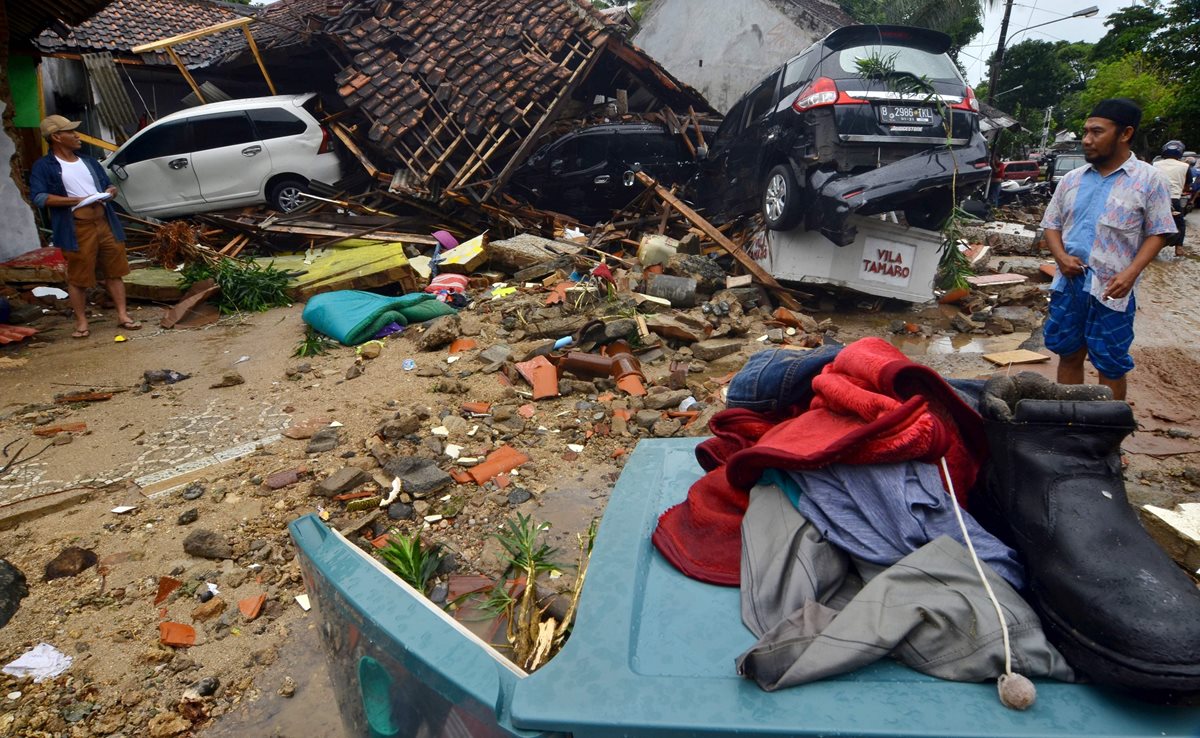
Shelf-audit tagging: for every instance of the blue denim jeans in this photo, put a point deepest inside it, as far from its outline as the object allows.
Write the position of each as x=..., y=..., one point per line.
x=774, y=380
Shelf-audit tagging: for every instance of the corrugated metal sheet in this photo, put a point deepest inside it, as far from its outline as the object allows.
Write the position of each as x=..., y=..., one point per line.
x=115, y=106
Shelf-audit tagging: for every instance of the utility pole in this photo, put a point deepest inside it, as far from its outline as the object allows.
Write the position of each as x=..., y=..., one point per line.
x=1046, y=129
x=998, y=59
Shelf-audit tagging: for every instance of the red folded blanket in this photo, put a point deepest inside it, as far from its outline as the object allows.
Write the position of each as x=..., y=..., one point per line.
x=872, y=405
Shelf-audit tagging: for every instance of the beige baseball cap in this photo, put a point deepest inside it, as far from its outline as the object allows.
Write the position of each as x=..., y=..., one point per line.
x=57, y=123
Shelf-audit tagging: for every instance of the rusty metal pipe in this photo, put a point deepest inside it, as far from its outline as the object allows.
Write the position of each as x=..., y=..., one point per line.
x=622, y=366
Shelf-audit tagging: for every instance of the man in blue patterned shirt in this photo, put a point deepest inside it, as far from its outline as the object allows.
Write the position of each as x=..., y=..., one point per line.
x=1105, y=223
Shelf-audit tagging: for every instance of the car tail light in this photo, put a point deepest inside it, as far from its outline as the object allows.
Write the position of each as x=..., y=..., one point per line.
x=969, y=102
x=326, y=141
x=823, y=91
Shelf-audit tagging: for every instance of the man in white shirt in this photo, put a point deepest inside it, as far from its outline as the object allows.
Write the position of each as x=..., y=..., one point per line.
x=78, y=195
x=1177, y=172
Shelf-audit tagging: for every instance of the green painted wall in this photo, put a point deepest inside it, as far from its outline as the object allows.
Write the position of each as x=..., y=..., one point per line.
x=22, y=78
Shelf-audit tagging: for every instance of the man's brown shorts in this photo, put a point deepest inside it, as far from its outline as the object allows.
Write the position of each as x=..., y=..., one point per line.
x=97, y=249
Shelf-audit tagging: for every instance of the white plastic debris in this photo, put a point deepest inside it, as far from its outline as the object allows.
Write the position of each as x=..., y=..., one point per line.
x=302, y=601
x=122, y=509
x=576, y=447
x=212, y=588
x=687, y=403
x=452, y=359
x=442, y=431
x=54, y=292
x=433, y=518
x=396, y=485
x=335, y=424
x=241, y=359
x=41, y=662
x=452, y=450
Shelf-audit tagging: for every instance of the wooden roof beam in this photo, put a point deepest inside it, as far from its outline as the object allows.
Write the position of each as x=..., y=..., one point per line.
x=192, y=35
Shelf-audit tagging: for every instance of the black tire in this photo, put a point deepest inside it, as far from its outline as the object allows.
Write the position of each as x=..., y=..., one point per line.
x=283, y=196
x=781, y=199
x=930, y=214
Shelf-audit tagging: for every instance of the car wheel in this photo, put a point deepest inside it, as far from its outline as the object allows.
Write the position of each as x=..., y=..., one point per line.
x=931, y=214
x=780, y=203
x=286, y=195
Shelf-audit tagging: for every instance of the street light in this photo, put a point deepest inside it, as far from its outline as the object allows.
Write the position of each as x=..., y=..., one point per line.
x=998, y=60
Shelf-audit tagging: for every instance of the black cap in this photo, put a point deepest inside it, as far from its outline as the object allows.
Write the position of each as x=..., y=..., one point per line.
x=1120, y=110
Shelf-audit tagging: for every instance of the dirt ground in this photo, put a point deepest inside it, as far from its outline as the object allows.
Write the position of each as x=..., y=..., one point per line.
x=139, y=447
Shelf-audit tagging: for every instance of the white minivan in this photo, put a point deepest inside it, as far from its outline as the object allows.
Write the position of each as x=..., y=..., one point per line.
x=225, y=155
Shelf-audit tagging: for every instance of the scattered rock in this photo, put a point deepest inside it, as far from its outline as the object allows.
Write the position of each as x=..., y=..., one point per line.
x=69, y=562
x=354, y=372
x=665, y=400
x=404, y=424
x=493, y=356
x=716, y=348
x=231, y=378
x=167, y=724
x=282, y=479
x=370, y=350
x=326, y=439
x=207, y=544
x=665, y=427
x=647, y=418
x=193, y=491
x=518, y=495
x=13, y=589
x=62, y=439
x=343, y=480
x=400, y=511
x=187, y=517
x=440, y=332
x=420, y=477
x=963, y=324
x=288, y=688
x=209, y=610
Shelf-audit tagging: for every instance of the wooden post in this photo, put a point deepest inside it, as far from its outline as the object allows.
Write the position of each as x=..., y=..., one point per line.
x=186, y=74
x=622, y=102
x=722, y=240
x=254, y=50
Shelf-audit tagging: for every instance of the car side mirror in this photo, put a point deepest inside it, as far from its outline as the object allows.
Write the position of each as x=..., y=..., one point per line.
x=628, y=178
x=120, y=172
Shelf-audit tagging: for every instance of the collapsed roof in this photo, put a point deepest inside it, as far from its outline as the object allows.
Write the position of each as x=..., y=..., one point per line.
x=458, y=91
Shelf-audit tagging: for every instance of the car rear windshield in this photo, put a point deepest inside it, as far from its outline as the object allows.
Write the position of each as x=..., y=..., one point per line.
x=844, y=64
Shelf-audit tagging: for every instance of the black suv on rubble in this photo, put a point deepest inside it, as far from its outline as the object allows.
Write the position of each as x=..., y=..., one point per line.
x=818, y=140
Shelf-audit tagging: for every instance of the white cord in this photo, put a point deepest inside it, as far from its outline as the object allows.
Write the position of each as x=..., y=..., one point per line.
x=979, y=569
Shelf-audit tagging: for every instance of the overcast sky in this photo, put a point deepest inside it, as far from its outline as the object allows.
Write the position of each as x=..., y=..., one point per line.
x=1026, y=13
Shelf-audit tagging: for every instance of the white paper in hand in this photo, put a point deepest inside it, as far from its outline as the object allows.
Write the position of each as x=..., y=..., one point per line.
x=91, y=199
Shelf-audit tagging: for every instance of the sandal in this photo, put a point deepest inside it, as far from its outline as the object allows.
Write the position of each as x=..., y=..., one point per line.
x=130, y=325
x=81, y=334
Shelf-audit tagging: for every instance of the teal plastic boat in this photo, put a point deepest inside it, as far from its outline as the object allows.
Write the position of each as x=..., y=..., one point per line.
x=652, y=654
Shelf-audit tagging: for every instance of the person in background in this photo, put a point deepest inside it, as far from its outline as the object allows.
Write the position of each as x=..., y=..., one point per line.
x=83, y=223
x=1105, y=223
x=1178, y=175
x=1194, y=163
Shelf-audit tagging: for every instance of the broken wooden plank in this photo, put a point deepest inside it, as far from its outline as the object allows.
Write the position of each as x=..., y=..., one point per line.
x=996, y=280
x=258, y=58
x=1177, y=531
x=348, y=141
x=722, y=240
x=166, y=43
x=1016, y=356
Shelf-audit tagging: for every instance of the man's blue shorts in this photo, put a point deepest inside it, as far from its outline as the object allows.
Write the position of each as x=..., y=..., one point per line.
x=1078, y=319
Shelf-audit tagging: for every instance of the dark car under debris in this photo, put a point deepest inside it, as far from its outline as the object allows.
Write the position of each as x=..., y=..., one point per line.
x=855, y=124
x=589, y=173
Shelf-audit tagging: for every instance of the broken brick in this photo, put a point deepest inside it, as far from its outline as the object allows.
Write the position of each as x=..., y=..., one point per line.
x=251, y=606
x=177, y=635
x=504, y=459
x=166, y=585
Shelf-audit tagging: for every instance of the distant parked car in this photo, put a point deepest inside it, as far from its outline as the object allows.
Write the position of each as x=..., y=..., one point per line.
x=817, y=141
x=1063, y=163
x=224, y=155
x=1017, y=170
x=588, y=173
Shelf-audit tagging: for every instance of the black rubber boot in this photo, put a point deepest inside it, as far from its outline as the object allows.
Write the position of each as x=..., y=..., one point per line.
x=1120, y=610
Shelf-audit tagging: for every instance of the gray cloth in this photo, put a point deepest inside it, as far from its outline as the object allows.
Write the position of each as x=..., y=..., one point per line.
x=928, y=610
x=883, y=512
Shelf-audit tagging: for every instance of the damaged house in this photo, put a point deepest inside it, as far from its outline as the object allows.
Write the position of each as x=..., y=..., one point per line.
x=438, y=98
x=458, y=93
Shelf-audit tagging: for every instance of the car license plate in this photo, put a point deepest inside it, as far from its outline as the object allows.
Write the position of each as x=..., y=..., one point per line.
x=905, y=115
